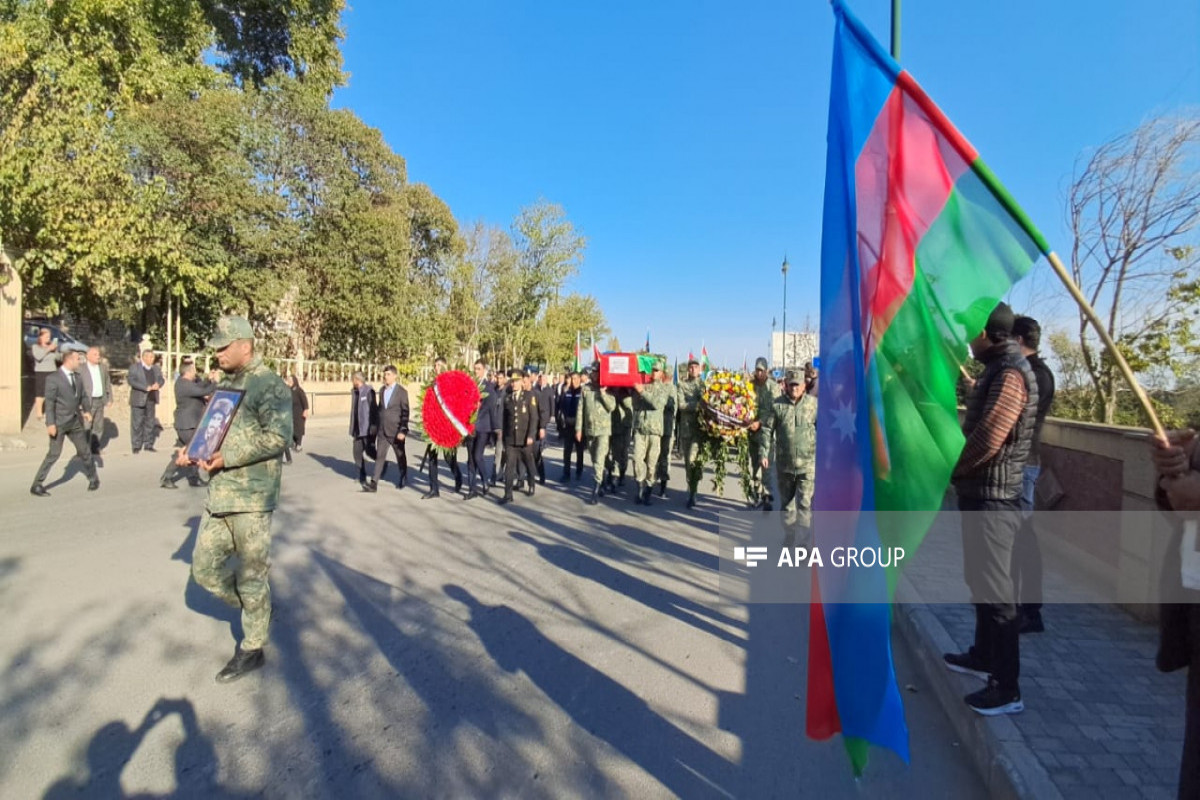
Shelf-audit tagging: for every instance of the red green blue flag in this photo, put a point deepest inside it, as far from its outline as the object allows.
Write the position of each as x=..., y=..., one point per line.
x=920, y=241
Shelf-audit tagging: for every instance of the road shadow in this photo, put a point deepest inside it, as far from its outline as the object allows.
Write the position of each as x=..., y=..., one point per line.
x=597, y=703
x=653, y=597
x=110, y=433
x=195, y=597
x=114, y=745
x=73, y=468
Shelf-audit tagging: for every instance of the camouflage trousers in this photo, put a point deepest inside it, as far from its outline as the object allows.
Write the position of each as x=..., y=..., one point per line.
x=248, y=537
x=796, y=492
x=645, y=457
x=598, y=450
x=619, y=453
x=760, y=479
x=664, y=458
x=689, y=444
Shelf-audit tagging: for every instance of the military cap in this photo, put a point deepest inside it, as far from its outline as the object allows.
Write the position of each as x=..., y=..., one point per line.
x=761, y=363
x=693, y=361
x=229, y=330
x=794, y=376
x=516, y=373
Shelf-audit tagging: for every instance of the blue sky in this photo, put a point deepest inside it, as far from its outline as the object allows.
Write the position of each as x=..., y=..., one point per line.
x=687, y=139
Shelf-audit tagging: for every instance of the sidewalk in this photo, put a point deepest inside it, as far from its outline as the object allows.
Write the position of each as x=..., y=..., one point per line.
x=1100, y=721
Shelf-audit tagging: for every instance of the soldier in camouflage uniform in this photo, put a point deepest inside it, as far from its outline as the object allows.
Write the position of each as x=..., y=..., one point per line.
x=243, y=491
x=650, y=400
x=622, y=433
x=596, y=426
x=687, y=400
x=791, y=425
x=664, y=451
x=765, y=393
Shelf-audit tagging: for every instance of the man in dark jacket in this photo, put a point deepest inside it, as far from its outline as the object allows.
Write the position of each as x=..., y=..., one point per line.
x=191, y=395
x=521, y=416
x=1027, y=555
x=393, y=428
x=568, y=413
x=1177, y=463
x=1001, y=413
x=486, y=421
x=67, y=416
x=545, y=401
x=145, y=381
x=364, y=423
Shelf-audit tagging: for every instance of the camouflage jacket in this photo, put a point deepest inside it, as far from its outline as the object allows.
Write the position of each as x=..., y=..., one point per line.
x=261, y=429
x=648, y=408
x=622, y=416
x=764, y=396
x=598, y=406
x=669, y=413
x=687, y=398
x=794, y=428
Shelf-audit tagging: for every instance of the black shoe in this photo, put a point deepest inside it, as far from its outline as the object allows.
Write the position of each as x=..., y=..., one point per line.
x=37, y=490
x=431, y=494
x=662, y=488
x=137, y=450
x=646, y=496
x=1032, y=623
x=566, y=476
x=529, y=491
x=93, y=484
x=195, y=482
x=403, y=481
x=167, y=484
x=505, y=500
x=621, y=481
x=371, y=487
x=691, y=503
x=966, y=663
x=471, y=494
x=993, y=701
x=458, y=482
x=243, y=662
x=595, y=497
x=149, y=449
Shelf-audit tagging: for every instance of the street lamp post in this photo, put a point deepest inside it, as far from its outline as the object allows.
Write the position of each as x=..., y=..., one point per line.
x=785, y=331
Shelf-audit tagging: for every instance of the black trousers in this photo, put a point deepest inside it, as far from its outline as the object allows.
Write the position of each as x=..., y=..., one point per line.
x=989, y=530
x=364, y=446
x=143, y=424
x=569, y=446
x=451, y=460
x=382, y=443
x=174, y=472
x=514, y=455
x=477, y=459
x=539, y=446
x=1189, y=766
x=83, y=449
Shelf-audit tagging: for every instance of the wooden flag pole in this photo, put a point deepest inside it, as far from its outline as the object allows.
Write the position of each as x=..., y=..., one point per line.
x=1122, y=364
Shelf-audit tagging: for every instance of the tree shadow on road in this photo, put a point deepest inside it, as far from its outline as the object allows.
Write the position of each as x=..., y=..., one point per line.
x=114, y=745
x=653, y=597
x=196, y=597
x=597, y=703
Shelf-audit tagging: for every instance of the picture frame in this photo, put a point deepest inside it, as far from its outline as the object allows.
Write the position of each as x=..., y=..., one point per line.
x=214, y=424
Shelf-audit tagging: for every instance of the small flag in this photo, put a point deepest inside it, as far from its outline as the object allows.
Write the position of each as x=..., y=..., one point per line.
x=577, y=353
x=595, y=349
x=647, y=341
x=704, y=360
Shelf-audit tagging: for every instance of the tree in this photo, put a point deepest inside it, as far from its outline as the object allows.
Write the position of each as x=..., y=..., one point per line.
x=1134, y=205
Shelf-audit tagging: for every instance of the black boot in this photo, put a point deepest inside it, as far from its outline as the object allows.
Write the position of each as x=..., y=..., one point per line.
x=646, y=496
x=433, y=492
x=243, y=662
x=595, y=498
x=662, y=488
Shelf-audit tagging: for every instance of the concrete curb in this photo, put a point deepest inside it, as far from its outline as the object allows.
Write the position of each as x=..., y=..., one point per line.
x=1009, y=769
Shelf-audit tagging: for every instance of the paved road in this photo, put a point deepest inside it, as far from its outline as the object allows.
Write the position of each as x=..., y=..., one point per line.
x=420, y=649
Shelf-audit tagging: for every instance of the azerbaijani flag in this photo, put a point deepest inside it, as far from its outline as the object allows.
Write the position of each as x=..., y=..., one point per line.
x=595, y=349
x=920, y=241
x=704, y=360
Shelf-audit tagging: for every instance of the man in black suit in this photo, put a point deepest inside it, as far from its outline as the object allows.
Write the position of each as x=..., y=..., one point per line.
x=145, y=381
x=521, y=415
x=393, y=428
x=66, y=417
x=97, y=394
x=364, y=423
x=191, y=396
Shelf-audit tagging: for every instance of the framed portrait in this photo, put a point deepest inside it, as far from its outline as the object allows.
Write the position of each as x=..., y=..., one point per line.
x=218, y=416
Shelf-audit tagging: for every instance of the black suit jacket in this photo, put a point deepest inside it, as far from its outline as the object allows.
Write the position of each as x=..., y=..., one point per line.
x=86, y=375
x=139, y=379
x=190, y=402
x=520, y=417
x=64, y=404
x=393, y=417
